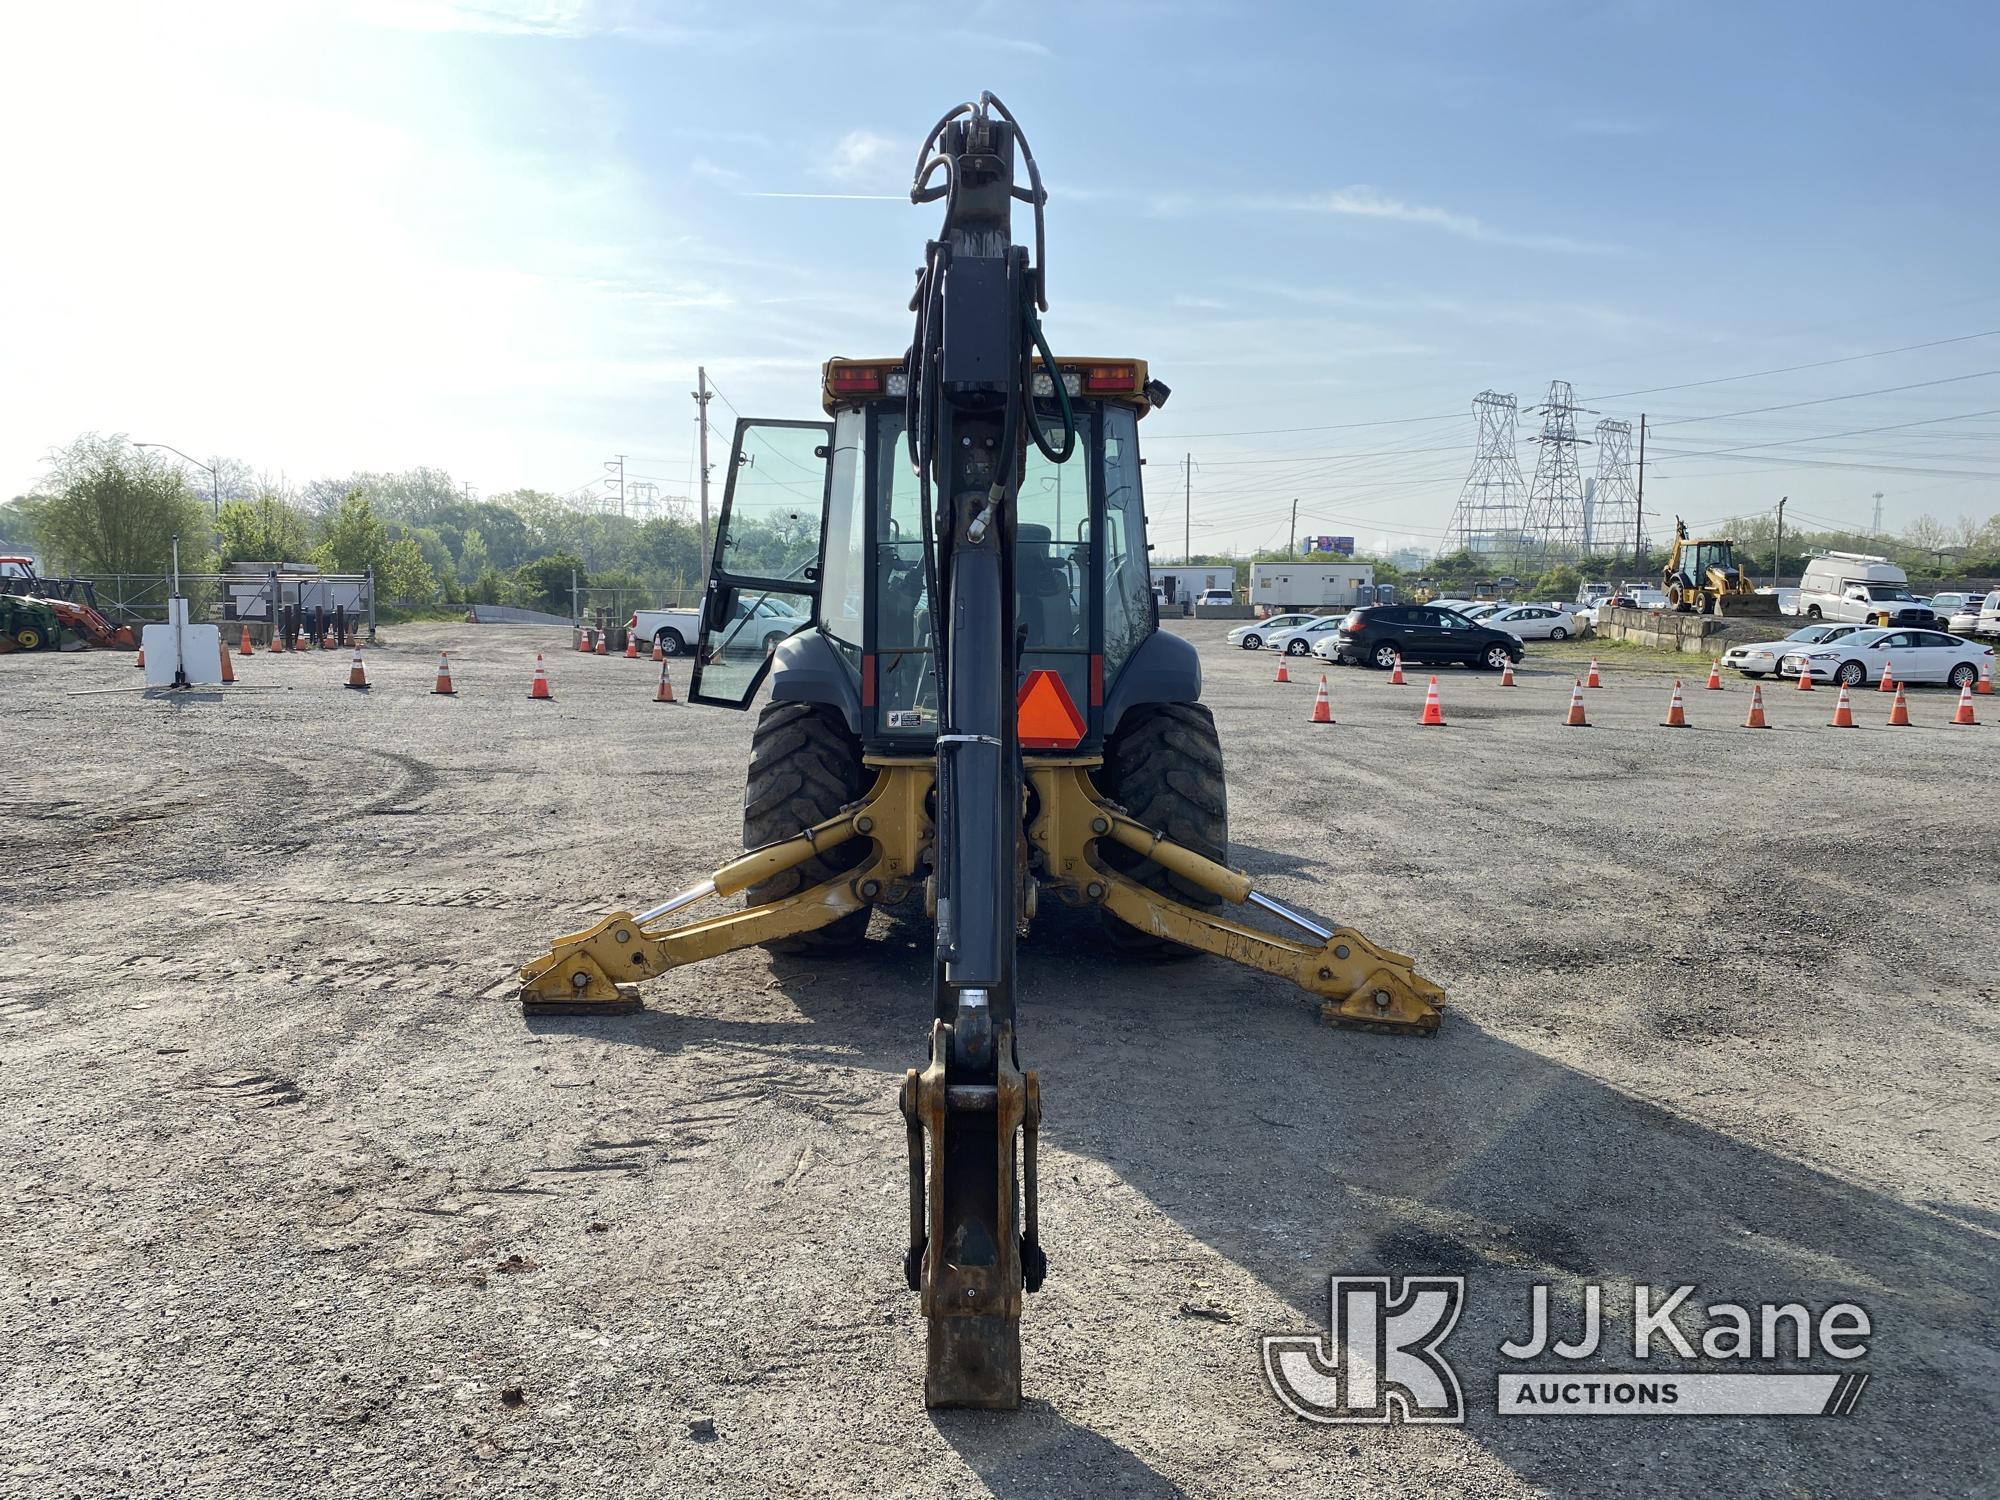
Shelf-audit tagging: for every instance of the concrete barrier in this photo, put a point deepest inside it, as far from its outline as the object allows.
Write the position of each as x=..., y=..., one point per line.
x=1224, y=612
x=1668, y=630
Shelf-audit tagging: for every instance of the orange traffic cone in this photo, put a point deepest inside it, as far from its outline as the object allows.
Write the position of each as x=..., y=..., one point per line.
x=631, y=648
x=1756, y=719
x=277, y=646
x=1576, y=719
x=658, y=654
x=1433, y=710
x=1986, y=679
x=1888, y=678
x=666, y=692
x=583, y=640
x=243, y=647
x=1715, y=676
x=1676, y=710
x=603, y=643
x=1843, y=710
x=1507, y=675
x=444, y=688
x=1805, y=684
x=228, y=672
x=1965, y=715
x=1593, y=680
x=540, y=689
x=1322, y=705
x=1899, y=712
x=141, y=660
x=357, y=677
x=1396, y=672
x=1283, y=675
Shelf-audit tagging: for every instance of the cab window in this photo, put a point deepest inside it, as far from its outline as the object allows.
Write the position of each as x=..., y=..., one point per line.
x=1128, y=600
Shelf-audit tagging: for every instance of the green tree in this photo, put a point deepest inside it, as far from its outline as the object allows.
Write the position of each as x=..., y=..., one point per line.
x=403, y=575
x=473, y=558
x=491, y=587
x=354, y=539
x=1560, y=582
x=545, y=582
x=108, y=507
x=265, y=529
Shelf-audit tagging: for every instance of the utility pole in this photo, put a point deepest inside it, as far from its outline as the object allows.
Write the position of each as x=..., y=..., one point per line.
x=701, y=421
x=1292, y=540
x=1639, y=507
x=1778, y=547
x=1187, y=509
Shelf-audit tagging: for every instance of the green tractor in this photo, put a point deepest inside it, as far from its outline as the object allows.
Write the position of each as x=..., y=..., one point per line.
x=27, y=625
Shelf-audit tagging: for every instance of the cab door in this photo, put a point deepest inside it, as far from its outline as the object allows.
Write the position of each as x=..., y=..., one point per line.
x=763, y=580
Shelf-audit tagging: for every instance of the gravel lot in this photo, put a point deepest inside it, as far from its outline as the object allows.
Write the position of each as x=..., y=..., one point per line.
x=296, y=1204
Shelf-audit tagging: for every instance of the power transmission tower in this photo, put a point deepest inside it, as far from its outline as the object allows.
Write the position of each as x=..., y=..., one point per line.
x=1614, y=506
x=614, y=469
x=1493, y=505
x=1876, y=526
x=1555, y=523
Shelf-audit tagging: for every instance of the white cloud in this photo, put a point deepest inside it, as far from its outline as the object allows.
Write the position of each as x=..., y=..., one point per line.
x=863, y=155
x=1367, y=203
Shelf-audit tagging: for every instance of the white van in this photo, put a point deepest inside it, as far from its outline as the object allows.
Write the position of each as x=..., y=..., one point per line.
x=1857, y=587
x=1989, y=615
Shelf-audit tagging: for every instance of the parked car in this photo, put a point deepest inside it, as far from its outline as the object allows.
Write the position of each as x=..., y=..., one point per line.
x=1915, y=656
x=1649, y=599
x=1482, y=610
x=1760, y=658
x=1299, y=639
x=1461, y=605
x=1251, y=637
x=1534, y=622
x=675, y=630
x=1217, y=596
x=1418, y=633
x=1988, y=622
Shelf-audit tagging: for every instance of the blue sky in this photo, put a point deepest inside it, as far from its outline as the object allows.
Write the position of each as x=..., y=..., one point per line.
x=499, y=237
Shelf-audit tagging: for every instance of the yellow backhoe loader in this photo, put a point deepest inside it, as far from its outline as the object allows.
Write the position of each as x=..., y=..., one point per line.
x=1035, y=737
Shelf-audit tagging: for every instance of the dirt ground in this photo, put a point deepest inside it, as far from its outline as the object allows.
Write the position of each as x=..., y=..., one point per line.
x=295, y=1203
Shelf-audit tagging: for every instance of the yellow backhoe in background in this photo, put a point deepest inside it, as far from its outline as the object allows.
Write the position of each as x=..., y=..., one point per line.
x=1703, y=577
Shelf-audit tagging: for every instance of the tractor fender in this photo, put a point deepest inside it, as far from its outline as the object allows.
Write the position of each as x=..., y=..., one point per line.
x=1165, y=669
x=808, y=668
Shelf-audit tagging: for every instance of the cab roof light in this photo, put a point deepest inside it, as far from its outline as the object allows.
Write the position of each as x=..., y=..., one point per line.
x=1046, y=388
x=857, y=380
x=1109, y=377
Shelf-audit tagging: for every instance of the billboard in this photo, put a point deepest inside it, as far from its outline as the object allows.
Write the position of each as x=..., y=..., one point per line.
x=1341, y=545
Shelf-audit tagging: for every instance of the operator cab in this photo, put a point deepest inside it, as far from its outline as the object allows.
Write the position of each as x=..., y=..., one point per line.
x=824, y=520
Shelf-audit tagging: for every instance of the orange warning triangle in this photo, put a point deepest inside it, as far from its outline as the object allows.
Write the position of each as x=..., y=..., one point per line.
x=1045, y=716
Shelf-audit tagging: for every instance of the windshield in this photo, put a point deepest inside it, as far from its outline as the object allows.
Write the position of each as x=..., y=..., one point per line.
x=1889, y=591
x=1809, y=633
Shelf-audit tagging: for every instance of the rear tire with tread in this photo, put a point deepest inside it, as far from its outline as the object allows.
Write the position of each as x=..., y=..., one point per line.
x=804, y=768
x=1164, y=767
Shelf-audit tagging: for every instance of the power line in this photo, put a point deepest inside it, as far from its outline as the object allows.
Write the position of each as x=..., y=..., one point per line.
x=1886, y=390
x=1818, y=364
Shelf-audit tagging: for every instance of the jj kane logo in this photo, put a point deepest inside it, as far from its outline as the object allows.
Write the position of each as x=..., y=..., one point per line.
x=1382, y=1358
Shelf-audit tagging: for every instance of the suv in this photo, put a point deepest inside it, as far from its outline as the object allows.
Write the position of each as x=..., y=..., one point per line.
x=1418, y=633
x=1216, y=596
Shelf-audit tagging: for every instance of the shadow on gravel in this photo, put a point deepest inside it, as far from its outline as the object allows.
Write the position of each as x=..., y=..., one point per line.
x=1027, y=1452
x=1299, y=1152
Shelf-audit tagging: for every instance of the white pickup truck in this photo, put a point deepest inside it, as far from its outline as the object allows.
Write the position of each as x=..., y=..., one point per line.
x=676, y=629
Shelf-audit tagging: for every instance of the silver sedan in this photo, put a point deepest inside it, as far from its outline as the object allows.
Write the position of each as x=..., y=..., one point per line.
x=1761, y=658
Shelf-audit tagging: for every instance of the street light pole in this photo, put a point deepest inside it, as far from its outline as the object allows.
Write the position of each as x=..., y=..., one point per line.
x=214, y=475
